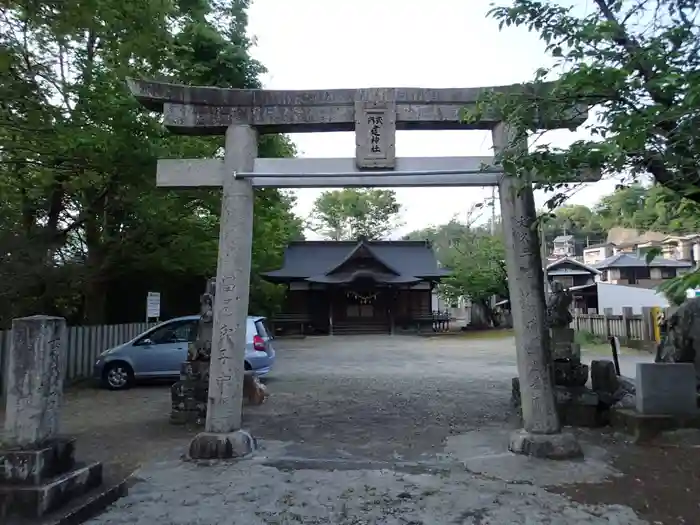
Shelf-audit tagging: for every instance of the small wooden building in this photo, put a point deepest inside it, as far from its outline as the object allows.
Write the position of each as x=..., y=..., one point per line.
x=357, y=286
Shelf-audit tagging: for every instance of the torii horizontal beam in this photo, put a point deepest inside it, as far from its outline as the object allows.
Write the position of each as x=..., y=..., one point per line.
x=201, y=110
x=341, y=172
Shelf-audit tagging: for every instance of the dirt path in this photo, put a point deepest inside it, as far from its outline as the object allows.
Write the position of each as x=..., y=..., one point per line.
x=381, y=399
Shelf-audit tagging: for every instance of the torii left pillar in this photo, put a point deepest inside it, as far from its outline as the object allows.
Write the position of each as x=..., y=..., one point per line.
x=223, y=437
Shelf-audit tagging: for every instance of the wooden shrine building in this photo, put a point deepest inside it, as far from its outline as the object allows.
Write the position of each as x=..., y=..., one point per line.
x=357, y=286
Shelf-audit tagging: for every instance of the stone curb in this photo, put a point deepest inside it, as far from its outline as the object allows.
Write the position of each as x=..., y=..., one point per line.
x=96, y=504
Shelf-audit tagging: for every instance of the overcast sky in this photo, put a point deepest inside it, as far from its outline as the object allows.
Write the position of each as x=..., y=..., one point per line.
x=317, y=44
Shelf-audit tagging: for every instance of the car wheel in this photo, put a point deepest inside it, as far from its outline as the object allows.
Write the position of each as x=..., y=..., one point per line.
x=118, y=376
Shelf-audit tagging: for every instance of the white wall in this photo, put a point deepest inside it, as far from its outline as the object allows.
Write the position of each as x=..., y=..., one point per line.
x=617, y=296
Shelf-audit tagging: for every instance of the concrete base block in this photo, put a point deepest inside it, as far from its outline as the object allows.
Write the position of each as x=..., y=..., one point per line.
x=566, y=351
x=577, y=407
x=570, y=373
x=546, y=446
x=208, y=445
x=645, y=427
x=666, y=389
x=37, y=500
x=32, y=467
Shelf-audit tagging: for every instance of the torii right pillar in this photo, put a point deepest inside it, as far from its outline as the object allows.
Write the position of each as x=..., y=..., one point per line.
x=541, y=435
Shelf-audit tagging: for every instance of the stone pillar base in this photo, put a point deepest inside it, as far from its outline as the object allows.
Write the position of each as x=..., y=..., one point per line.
x=208, y=445
x=546, y=446
x=37, y=481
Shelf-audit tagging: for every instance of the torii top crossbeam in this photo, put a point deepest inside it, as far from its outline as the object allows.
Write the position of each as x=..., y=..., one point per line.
x=197, y=110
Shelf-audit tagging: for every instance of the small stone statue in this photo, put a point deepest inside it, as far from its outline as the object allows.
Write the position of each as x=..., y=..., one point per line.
x=682, y=341
x=200, y=350
x=558, y=306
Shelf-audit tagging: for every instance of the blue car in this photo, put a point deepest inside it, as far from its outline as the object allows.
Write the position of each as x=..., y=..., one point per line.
x=158, y=353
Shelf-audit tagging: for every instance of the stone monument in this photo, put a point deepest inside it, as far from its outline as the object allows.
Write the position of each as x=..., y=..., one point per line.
x=575, y=404
x=681, y=343
x=189, y=395
x=38, y=471
x=566, y=353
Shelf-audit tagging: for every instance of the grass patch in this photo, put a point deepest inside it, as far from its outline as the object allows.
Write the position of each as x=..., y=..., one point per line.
x=479, y=334
x=590, y=339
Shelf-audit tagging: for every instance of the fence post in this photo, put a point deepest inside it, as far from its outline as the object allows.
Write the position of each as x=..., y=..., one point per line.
x=607, y=312
x=654, y=317
x=648, y=323
x=627, y=313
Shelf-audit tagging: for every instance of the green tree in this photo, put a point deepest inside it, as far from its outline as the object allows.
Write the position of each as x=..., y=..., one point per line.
x=80, y=211
x=573, y=219
x=653, y=208
x=475, y=258
x=352, y=213
x=477, y=263
x=638, y=63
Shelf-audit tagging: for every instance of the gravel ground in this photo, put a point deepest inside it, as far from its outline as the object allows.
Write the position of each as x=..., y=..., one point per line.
x=358, y=425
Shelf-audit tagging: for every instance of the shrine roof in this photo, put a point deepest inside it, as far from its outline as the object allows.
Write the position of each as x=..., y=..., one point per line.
x=310, y=259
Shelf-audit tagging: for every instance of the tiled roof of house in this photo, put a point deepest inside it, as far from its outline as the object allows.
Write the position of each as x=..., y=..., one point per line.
x=573, y=264
x=629, y=260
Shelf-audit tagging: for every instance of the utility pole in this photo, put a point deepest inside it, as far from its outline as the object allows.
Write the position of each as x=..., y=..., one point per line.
x=493, y=210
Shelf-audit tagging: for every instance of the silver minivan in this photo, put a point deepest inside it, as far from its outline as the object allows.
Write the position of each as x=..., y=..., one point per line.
x=159, y=352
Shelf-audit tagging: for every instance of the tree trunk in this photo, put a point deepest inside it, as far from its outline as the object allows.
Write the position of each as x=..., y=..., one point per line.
x=95, y=284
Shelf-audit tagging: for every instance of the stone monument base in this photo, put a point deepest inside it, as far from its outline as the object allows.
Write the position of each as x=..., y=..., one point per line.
x=36, y=481
x=208, y=445
x=559, y=446
x=643, y=428
x=576, y=407
x=189, y=395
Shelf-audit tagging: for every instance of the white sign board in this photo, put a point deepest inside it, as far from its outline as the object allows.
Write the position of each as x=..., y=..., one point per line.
x=153, y=305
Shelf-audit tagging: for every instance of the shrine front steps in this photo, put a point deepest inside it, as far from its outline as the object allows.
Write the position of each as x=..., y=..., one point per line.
x=36, y=482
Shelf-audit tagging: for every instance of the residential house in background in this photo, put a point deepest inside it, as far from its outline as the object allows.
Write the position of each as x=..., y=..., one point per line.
x=632, y=269
x=570, y=272
x=564, y=246
x=682, y=248
x=598, y=252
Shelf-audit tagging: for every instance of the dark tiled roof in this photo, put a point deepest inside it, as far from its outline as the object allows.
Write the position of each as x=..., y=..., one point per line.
x=571, y=264
x=629, y=260
x=568, y=271
x=305, y=259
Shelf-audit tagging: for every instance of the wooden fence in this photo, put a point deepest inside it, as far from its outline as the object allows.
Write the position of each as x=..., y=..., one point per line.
x=84, y=344
x=632, y=329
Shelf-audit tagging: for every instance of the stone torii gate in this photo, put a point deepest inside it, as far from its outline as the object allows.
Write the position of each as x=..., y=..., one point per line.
x=374, y=115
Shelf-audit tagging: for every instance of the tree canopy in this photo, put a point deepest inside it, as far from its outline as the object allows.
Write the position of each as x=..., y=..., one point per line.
x=644, y=208
x=84, y=231
x=352, y=213
x=637, y=64
x=475, y=257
